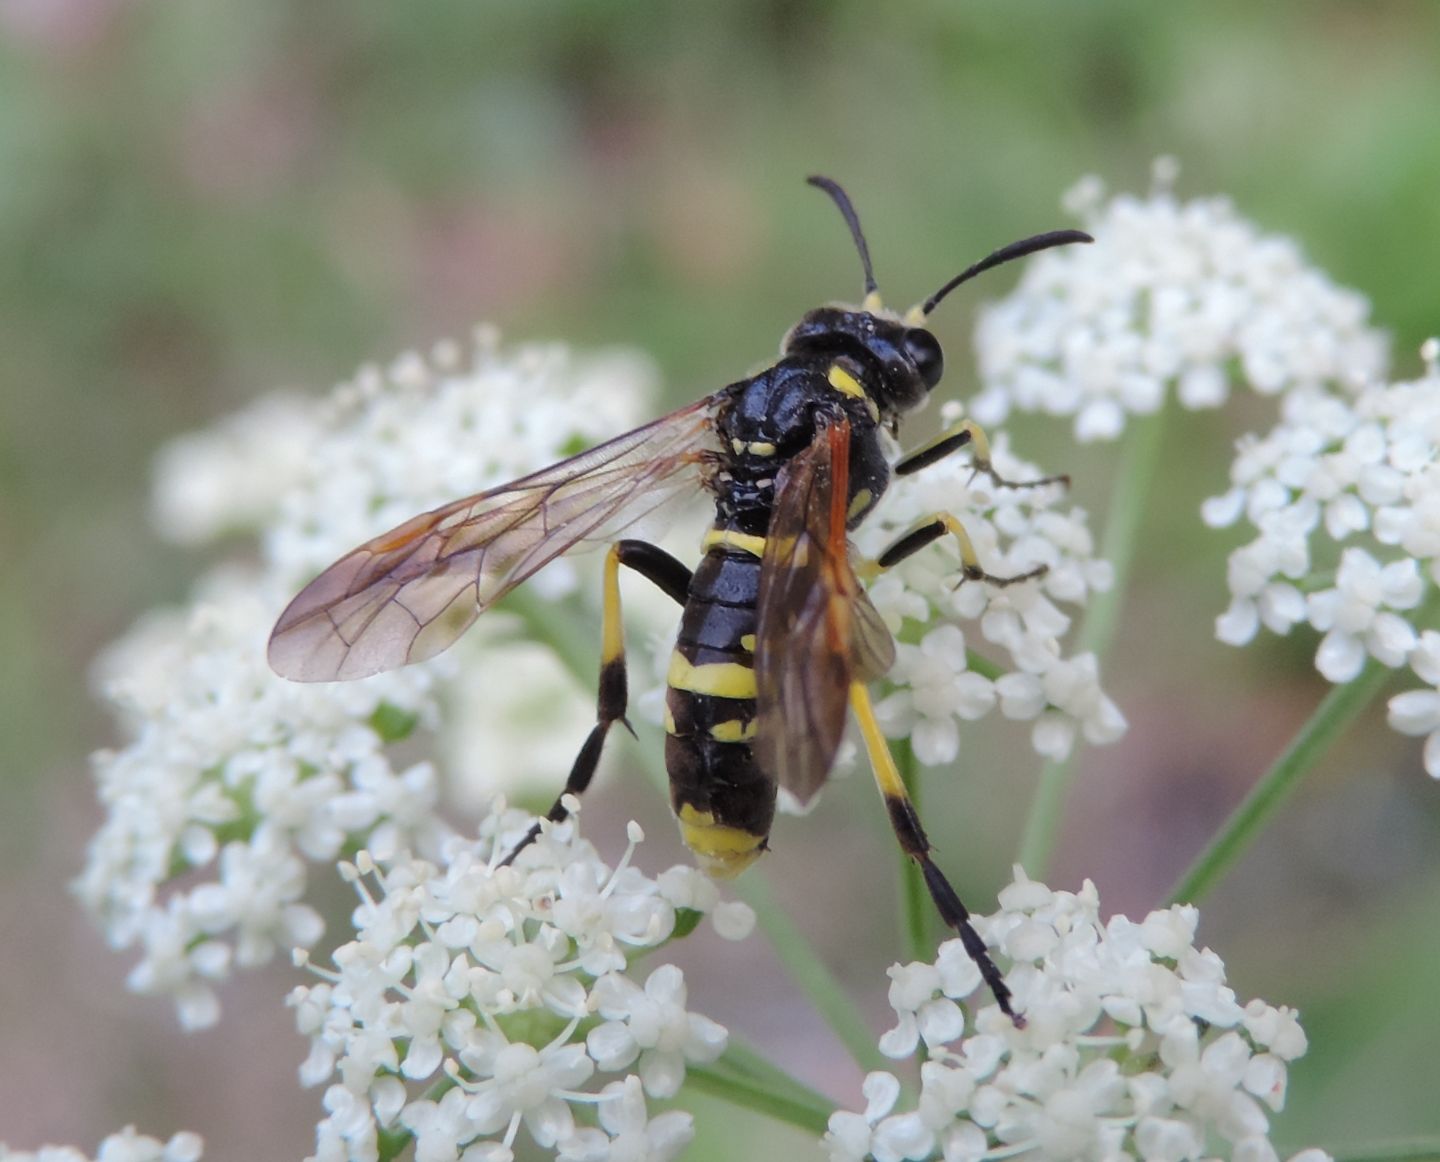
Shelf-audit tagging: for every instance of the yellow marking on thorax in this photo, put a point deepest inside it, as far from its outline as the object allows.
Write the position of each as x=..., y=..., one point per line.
x=723, y=852
x=718, y=679
x=747, y=642
x=754, y=447
x=843, y=382
x=745, y=542
x=669, y=721
x=735, y=730
x=861, y=501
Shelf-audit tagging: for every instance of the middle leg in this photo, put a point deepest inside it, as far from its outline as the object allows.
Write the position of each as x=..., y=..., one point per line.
x=671, y=577
x=967, y=433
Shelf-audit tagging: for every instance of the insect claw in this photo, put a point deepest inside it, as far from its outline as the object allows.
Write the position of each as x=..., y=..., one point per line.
x=969, y=573
x=625, y=722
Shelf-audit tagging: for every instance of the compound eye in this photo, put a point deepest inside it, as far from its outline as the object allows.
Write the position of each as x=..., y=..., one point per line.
x=924, y=351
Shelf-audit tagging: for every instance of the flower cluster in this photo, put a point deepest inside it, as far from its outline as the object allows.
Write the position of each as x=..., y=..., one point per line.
x=478, y=998
x=933, y=685
x=1344, y=495
x=126, y=1146
x=231, y=781
x=1175, y=295
x=1133, y=1046
x=1341, y=492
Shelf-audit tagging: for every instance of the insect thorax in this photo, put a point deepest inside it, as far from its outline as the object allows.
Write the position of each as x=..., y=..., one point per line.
x=774, y=416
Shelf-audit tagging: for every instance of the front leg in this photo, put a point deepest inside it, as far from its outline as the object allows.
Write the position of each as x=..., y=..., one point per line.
x=931, y=529
x=967, y=433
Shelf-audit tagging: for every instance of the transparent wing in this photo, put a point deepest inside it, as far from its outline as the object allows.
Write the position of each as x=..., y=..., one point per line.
x=408, y=594
x=817, y=630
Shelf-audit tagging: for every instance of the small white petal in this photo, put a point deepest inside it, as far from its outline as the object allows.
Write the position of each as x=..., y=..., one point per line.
x=1340, y=657
x=733, y=919
x=1238, y=625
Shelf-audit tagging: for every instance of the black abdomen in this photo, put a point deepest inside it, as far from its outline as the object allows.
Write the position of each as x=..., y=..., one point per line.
x=724, y=801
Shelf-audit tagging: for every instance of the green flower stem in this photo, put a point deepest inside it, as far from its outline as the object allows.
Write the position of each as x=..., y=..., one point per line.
x=1331, y=717
x=811, y=973
x=811, y=1116
x=745, y=1061
x=574, y=640
x=1410, y=1150
x=1139, y=461
x=1335, y=712
x=571, y=637
x=559, y=626
x=983, y=666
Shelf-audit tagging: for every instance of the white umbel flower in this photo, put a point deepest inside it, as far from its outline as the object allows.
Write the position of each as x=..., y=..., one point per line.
x=650, y=1024
x=626, y=1133
x=126, y=1146
x=1344, y=497
x=1133, y=1046
x=1175, y=297
x=932, y=689
x=230, y=782
x=477, y=977
x=234, y=779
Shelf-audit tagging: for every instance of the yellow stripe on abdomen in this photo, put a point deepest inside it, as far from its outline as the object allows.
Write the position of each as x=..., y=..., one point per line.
x=734, y=730
x=718, y=679
x=733, y=539
x=722, y=851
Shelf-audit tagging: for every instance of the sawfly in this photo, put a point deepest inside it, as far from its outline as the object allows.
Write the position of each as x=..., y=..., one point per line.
x=777, y=638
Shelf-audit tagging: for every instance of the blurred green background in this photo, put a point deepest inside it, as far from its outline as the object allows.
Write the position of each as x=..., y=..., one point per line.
x=203, y=201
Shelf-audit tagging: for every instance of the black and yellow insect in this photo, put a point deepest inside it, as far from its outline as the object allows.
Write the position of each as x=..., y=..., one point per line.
x=777, y=639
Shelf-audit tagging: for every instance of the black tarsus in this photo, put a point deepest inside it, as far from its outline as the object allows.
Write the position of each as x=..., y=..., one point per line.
x=916, y=844
x=957, y=916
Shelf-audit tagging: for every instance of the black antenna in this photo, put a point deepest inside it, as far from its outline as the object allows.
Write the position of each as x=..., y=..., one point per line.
x=1003, y=255
x=842, y=199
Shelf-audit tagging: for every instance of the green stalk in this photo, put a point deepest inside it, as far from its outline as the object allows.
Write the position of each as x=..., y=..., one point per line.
x=1410, y=1150
x=1139, y=460
x=813, y=976
x=572, y=638
x=1335, y=712
x=556, y=624
x=745, y=1061
x=811, y=1116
